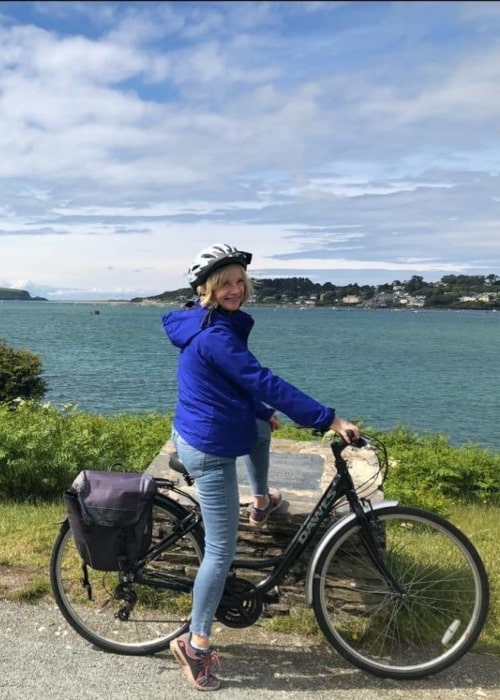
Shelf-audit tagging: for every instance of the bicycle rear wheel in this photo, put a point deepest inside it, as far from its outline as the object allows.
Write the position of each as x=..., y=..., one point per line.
x=408, y=635
x=96, y=609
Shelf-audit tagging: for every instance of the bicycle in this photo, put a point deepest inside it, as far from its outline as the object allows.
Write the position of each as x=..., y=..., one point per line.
x=398, y=591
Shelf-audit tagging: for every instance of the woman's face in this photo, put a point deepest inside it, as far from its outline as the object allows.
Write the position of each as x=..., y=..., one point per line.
x=230, y=294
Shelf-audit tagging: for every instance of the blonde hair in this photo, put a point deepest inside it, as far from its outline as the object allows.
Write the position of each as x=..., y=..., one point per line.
x=215, y=281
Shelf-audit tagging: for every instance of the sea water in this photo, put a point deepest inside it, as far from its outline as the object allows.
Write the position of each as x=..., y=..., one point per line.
x=432, y=371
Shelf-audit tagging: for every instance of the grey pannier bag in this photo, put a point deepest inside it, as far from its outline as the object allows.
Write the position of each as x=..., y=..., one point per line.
x=111, y=515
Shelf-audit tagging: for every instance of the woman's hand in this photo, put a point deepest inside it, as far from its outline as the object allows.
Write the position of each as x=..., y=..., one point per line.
x=274, y=422
x=343, y=427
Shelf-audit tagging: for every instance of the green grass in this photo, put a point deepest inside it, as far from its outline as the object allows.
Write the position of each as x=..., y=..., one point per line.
x=480, y=524
x=27, y=532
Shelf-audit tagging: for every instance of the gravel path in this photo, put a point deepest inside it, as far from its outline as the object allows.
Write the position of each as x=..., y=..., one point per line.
x=41, y=658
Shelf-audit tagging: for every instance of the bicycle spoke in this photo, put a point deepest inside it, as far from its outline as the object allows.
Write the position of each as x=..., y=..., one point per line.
x=129, y=617
x=410, y=634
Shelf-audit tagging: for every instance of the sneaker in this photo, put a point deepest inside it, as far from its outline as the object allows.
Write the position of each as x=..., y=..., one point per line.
x=196, y=665
x=258, y=516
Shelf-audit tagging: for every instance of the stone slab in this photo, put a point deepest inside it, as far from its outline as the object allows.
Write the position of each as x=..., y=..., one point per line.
x=300, y=469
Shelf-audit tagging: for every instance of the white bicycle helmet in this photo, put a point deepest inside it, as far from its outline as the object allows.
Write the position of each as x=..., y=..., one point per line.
x=213, y=257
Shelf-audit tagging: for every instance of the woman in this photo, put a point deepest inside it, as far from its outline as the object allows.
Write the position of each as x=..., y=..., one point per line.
x=226, y=408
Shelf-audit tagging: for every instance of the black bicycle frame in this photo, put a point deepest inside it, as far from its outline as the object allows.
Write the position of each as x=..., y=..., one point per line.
x=340, y=486
x=159, y=579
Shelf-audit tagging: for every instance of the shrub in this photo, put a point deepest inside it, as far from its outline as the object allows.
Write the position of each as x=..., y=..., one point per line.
x=20, y=374
x=43, y=448
x=427, y=471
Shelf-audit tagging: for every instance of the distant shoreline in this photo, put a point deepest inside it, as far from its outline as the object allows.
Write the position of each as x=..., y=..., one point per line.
x=126, y=302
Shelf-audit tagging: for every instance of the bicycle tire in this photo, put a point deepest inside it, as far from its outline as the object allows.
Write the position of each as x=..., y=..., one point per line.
x=380, y=631
x=159, y=614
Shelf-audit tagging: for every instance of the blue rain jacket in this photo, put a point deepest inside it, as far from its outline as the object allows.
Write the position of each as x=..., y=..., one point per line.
x=223, y=388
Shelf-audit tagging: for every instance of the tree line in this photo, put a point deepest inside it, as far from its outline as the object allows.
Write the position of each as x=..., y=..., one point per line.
x=481, y=292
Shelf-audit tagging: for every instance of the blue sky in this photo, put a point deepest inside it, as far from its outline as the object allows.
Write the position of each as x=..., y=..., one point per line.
x=340, y=141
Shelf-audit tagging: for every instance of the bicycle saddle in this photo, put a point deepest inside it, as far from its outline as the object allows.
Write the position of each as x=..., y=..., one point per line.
x=176, y=464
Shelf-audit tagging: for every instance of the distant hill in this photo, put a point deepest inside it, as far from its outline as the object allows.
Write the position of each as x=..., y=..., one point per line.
x=176, y=295
x=17, y=295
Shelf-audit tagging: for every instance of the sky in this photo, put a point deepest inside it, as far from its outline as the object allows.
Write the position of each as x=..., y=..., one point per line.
x=346, y=142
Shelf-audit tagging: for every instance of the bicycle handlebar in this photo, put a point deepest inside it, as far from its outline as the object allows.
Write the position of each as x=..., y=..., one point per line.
x=362, y=441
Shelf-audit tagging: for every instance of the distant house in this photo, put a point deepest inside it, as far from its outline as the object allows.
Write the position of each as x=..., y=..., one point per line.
x=351, y=299
x=484, y=298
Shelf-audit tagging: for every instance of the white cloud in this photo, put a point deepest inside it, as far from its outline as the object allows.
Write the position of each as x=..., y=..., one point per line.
x=154, y=128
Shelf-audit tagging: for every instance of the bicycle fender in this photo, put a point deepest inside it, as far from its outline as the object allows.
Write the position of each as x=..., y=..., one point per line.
x=329, y=534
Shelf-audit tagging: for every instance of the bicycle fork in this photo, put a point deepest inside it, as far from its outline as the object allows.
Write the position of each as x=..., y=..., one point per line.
x=370, y=532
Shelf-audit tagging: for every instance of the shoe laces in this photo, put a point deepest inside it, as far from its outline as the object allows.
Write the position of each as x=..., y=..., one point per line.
x=209, y=662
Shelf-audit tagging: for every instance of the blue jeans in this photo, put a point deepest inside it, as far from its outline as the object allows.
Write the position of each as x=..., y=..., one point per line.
x=217, y=488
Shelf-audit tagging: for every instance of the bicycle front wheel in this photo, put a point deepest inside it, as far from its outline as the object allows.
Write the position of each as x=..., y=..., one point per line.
x=421, y=622
x=95, y=605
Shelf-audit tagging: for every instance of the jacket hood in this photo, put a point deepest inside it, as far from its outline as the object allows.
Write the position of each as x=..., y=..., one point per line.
x=183, y=325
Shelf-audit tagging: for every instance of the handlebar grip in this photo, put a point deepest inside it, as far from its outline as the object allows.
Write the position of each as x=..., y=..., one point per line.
x=359, y=442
